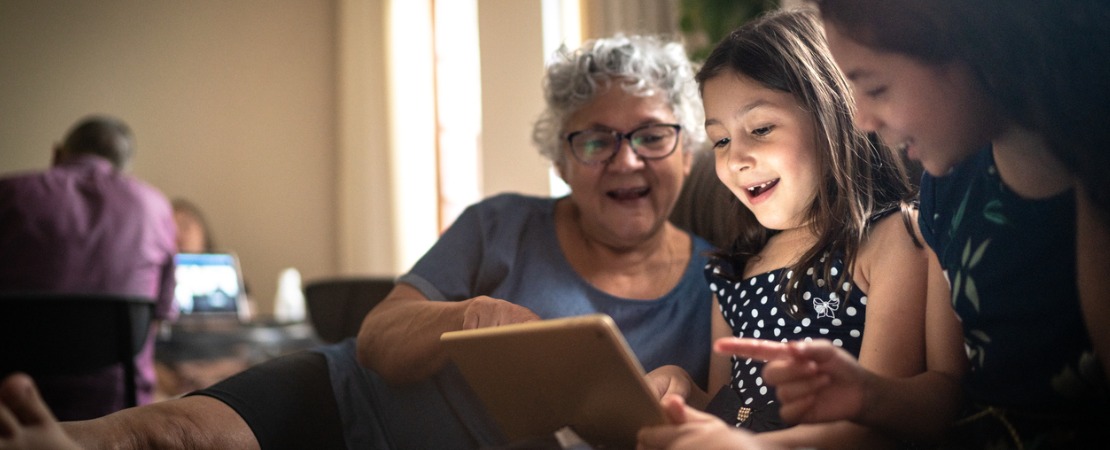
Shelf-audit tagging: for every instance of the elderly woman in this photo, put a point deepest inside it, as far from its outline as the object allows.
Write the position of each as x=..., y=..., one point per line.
x=622, y=116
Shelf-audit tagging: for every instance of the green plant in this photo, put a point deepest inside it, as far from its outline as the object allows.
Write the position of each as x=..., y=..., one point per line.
x=705, y=22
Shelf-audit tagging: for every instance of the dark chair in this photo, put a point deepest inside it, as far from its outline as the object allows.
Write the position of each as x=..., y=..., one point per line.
x=336, y=306
x=63, y=335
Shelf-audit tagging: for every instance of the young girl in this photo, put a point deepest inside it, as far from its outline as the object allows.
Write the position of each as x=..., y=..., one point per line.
x=998, y=210
x=831, y=252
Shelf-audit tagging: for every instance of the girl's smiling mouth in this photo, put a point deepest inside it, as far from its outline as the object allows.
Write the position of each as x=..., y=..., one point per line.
x=755, y=191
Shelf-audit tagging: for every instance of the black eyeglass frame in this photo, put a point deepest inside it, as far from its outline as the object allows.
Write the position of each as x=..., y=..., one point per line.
x=621, y=137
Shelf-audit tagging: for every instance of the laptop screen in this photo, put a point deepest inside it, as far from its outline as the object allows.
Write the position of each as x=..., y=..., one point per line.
x=207, y=283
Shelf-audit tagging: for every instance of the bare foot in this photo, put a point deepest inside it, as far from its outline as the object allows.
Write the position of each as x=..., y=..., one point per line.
x=26, y=423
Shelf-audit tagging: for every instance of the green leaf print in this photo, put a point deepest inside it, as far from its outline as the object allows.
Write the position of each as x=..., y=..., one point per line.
x=972, y=293
x=959, y=216
x=993, y=212
x=978, y=253
x=956, y=282
x=976, y=341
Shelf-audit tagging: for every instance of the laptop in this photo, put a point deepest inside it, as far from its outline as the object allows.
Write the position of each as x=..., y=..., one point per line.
x=536, y=378
x=209, y=288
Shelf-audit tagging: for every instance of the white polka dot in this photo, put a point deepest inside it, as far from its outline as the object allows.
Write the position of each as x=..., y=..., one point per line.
x=755, y=334
x=763, y=301
x=833, y=271
x=838, y=342
x=823, y=331
x=777, y=286
x=759, y=381
x=782, y=322
x=820, y=282
x=774, y=310
x=810, y=271
x=785, y=340
x=808, y=339
x=755, y=313
x=736, y=286
x=797, y=330
x=789, y=274
x=752, y=371
x=760, y=323
x=712, y=286
x=837, y=322
x=854, y=333
x=806, y=322
x=748, y=361
x=863, y=300
x=743, y=293
x=753, y=282
x=748, y=401
x=771, y=278
x=833, y=296
x=763, y=390
x=740, y=384
x=846, y=286
x=851, y=311
x=806, y=295
x=778, y=332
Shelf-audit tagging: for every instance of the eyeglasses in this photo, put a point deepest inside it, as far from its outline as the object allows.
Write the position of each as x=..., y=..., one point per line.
x=649, y=142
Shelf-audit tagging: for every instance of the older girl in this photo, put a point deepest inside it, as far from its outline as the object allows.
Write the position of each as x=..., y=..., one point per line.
x=999, y=211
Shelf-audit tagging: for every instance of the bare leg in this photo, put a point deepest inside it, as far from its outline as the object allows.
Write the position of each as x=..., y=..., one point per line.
x=195, y=422
x=25, y=421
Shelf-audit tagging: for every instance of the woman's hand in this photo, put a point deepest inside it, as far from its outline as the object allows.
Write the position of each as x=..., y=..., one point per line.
x=814, y=381
x=672, y=380
x=485, y=311
x=690, y=428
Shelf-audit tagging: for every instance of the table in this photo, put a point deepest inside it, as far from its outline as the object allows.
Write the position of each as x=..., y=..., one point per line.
x=195, y=354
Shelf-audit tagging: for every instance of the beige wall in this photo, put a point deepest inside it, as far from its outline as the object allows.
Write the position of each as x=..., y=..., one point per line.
x=232, y=103
x=273, y=116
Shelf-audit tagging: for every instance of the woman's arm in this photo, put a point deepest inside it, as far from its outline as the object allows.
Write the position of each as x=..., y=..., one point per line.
x=924, y=406
x=1093, y=263
x=399, y=338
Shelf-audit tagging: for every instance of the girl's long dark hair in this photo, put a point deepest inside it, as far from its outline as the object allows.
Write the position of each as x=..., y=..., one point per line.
x=786, y=51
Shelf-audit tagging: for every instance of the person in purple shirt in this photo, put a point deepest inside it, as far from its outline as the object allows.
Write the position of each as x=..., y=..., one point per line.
x=86, y=226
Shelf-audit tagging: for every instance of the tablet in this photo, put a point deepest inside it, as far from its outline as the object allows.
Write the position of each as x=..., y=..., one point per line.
x=538, y=377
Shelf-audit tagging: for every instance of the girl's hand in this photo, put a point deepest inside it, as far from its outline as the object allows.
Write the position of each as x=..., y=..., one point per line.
x=814, y=381
x=690, y=428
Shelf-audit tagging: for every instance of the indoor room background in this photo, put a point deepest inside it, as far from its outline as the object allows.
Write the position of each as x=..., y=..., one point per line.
x=337, y=137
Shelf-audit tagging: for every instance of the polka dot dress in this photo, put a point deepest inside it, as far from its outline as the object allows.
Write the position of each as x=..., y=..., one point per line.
x=756, y=308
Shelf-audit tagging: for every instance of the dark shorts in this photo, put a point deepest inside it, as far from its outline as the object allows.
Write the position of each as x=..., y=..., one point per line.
x=287, y=402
